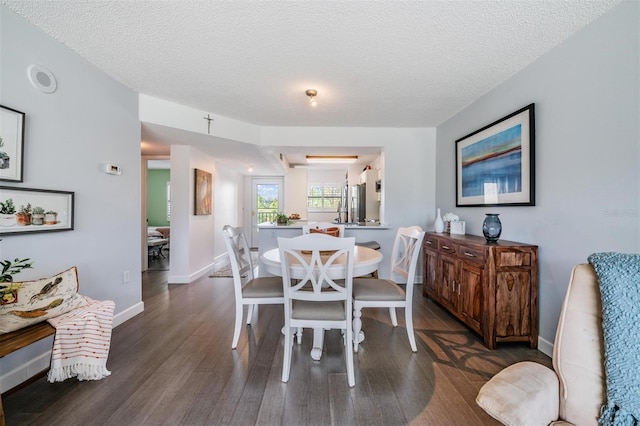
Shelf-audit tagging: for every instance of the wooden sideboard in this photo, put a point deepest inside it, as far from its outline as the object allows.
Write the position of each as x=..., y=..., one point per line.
x=492, y=288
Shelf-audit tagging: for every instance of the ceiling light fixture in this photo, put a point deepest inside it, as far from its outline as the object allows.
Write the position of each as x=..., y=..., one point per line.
x=312, y=93
x=251, y=168
x=331, y=159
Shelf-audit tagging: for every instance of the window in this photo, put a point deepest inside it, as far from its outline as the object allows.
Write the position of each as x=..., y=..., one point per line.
x=324, y=196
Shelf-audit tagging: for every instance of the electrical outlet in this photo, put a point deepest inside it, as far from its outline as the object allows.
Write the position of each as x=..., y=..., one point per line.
x=125, y=277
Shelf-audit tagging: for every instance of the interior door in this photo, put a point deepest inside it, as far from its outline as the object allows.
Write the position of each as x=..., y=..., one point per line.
x=266, y=200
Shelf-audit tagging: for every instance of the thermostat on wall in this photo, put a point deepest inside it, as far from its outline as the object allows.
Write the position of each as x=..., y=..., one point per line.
x=112, y=169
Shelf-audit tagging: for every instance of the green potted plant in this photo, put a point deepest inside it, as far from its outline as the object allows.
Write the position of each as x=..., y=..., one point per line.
x=282, y=219
x=23, y=216
x=37, y=216
x=7, y=213
x=9, y=293
x=50, y=217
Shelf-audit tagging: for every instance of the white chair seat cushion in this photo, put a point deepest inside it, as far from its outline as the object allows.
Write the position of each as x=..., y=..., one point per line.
x=321, y=311
x=373, y=289
x=263, y=287
x=503, y=397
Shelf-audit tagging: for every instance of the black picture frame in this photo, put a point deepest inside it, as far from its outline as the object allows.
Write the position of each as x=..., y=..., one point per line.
x=60, y=202
x=11, y=144
x=495, y=165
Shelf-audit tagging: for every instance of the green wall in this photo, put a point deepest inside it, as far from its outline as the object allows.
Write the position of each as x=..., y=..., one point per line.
x=157, y=197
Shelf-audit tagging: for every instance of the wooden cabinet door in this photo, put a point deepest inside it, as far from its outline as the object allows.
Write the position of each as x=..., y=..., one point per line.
x=447, y=288
x=430, y=287
x=470, y=288
x=513, y=303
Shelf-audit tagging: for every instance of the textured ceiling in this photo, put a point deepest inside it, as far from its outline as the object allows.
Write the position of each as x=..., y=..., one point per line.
x=374, y=63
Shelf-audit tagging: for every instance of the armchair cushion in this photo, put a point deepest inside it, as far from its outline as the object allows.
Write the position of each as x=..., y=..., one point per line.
x=503, y=396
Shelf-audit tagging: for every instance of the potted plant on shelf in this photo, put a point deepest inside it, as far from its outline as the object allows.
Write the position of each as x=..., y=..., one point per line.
x=7, y=213
x=23, y=216
x=37, y=216
x=50, y=217
x=282, y=219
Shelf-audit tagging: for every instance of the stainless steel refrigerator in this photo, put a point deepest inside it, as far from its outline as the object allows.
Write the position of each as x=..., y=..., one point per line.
x=358, y=203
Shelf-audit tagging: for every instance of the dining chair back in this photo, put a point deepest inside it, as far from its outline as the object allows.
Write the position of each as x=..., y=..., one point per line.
x=333, y=229
x=248, y=289
x=377, y=293
x=320, y=296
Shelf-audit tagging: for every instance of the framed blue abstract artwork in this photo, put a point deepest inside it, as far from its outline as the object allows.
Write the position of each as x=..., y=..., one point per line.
x=495, y=165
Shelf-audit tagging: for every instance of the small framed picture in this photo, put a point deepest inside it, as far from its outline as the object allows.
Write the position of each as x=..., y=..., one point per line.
x=11, y=144
x=458, y=227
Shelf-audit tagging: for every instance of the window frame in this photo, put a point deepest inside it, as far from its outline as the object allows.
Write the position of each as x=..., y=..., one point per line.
x=334, y=187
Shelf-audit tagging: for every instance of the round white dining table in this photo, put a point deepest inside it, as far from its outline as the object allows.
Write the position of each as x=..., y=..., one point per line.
x=365, y=262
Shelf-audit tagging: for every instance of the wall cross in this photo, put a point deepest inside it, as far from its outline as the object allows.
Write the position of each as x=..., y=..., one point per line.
x=209, y=120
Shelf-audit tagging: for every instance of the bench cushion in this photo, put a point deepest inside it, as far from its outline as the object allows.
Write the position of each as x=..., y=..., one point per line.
x=30, y=302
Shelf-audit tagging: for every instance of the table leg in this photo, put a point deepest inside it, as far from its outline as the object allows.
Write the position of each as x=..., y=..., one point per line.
x=318, y=343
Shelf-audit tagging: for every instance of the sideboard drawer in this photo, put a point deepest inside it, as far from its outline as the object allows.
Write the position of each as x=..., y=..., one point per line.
x=471, y=254
x=447, y=247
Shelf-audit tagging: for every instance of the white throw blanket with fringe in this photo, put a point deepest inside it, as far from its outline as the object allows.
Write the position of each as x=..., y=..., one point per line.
x=82, y=341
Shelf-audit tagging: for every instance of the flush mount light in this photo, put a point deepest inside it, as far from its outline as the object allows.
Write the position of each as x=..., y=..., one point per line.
x=312, y=93
x=331, y=159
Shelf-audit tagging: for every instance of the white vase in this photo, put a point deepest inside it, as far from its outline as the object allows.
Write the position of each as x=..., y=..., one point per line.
x=438, y=225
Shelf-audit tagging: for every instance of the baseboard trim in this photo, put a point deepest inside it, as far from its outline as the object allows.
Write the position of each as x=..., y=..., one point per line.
x=545, y=346
x=27, y=370
x=186, y=279
x=127, y=314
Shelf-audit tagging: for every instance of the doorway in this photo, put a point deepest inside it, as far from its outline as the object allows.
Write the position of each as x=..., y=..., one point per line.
x=266, y=201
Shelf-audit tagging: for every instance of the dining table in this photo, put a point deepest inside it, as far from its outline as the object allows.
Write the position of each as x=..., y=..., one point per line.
x=365, y=262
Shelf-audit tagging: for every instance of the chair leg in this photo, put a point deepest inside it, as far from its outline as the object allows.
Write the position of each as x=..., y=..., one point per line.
x=299, y=335
x=394, y=318
x=351, y=379
x=237, y=327
x=250, y=313
x=408, y=319
x=286, y=361
x=357, y=326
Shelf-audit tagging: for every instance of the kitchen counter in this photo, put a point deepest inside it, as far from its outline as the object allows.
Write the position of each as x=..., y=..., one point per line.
x=268, y=233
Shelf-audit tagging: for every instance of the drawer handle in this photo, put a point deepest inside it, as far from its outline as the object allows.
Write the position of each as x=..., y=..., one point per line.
x=466, y=253
x=428, y=242
x=446, y=247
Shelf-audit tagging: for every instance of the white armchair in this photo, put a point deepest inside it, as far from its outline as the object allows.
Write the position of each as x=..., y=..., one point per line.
x=527, y=393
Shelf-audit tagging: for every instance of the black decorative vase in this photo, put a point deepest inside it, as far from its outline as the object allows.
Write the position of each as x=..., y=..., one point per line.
x=492, y=227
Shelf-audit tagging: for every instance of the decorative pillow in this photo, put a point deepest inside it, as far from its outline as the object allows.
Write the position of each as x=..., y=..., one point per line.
x=30, y=302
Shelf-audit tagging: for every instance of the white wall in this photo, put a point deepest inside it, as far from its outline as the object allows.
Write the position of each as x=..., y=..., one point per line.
x=295, y=191
x=587, y=100
x=193, y=256
x=69, y=135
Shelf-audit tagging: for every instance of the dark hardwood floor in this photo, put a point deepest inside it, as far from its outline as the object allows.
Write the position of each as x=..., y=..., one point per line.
x=173, y=365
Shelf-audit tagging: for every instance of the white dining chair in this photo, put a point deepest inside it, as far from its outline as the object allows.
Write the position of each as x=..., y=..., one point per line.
x=317, y=279
x=248, y=289
x=382, y=293
x=324, y=227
